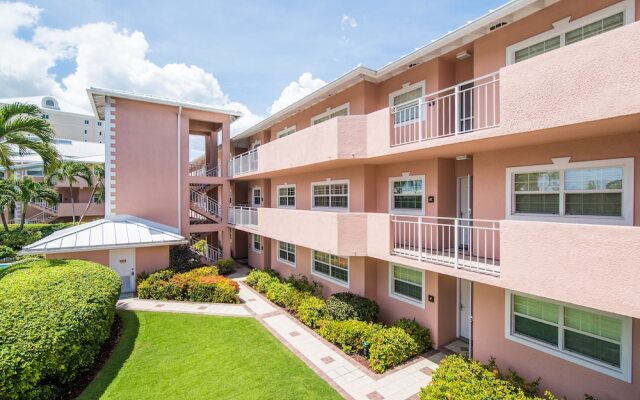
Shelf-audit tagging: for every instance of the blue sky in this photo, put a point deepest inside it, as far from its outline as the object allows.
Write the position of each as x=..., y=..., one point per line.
x=255, y=49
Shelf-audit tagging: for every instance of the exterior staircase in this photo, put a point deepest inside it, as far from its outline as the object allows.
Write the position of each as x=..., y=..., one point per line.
x=209, y=253
x=47, y=213
x=204, y=206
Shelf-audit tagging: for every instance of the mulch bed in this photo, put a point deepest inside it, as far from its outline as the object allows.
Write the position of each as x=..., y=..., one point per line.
x=76, y=387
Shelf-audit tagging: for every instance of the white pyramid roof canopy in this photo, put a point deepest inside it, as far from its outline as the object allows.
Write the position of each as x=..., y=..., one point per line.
x=112, y=232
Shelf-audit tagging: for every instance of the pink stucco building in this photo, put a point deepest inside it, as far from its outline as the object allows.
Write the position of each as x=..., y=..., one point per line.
x=486, y=185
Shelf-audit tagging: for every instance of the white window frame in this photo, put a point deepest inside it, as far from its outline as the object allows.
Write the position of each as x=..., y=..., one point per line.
x=405, y=211
x=328, y=277
x=330, y=111
x=407, y=88
x=561, y=165
x=561, y=27
x=295, y=254
x=332, y=182
x=622, y=373
x=295, y=199
x=254, y=241
x=286, y=132
x=255, y=144
x=400, y=296
x=253, y=197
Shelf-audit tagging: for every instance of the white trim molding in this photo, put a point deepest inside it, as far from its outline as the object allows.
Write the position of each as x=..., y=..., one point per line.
x=330, y=111
x=562, y=165
x=623, y=372
x=407, y=88
x=561, y=27
x=286, y=132
x=406, y=211
x=399, y=296
x=332, y=182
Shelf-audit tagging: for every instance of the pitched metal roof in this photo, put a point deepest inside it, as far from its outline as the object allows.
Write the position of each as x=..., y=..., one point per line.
x=112, y=232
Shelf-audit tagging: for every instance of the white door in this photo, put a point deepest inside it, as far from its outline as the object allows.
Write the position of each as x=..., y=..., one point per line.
x=123, y=261
x=465, y=192
x=464, y=308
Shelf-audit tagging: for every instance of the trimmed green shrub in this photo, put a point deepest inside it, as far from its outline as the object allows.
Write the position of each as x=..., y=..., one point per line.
x=285, y=295
x=54, y=317
x=7, y=252
x=208, y=270
x=214, y=289
x=225, y=266
x=312, y=311
x=303, y=284
x=264, y=282
x=17, y=239
x=346, y=305
x=460, y=378
x=420, y=335
x=255, y=274
x=349, y=335
x=390, y=347
x=200, y=284
x=159, y=290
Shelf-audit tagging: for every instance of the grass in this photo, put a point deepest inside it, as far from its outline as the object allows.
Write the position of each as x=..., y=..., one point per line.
x=184, y=356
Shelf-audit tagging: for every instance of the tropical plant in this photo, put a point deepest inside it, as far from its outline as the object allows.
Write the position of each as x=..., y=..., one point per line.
x=29, y=191
x=97, y=171
x=70, y=172
x=8, y=194
x=23, y=129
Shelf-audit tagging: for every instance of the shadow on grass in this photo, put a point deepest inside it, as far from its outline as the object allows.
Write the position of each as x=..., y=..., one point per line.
x=130, y=327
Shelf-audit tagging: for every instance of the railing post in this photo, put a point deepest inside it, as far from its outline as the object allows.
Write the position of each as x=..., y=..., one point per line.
x=456, y=241
x=420, y=102
x=419, y=238
x=456, y=102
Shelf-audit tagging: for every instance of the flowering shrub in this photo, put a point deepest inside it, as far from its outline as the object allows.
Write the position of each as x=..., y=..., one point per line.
x=349, y=335
x=312, y=311
x=420, y=335
x=200, y=284
x=390, y=347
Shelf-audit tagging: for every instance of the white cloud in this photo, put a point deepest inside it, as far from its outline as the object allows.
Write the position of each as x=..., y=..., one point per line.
x=105, y=56
x=348, y=21
x=296, y=90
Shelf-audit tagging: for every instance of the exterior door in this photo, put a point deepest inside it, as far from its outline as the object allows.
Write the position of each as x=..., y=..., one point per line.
x=123, y=261
x=464, y=309
x=465, y=193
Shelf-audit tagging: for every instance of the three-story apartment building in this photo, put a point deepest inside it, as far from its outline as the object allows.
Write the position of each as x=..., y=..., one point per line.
x=483, y=185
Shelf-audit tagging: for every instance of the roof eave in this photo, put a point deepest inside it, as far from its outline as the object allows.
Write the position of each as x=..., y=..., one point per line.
x=26, y=251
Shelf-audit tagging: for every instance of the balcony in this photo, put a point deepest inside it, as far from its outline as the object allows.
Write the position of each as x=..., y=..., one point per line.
x=245, y=217
x=468, y=244
x=244, y=163
x=469, y=106
x=203, y=169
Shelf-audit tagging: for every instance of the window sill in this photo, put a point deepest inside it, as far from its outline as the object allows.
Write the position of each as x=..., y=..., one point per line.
x=332, y=280
x=287, y=263
x=407, y=300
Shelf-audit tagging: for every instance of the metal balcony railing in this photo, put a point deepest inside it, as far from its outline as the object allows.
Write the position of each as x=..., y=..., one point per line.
x=243, y=216
x=203, y=169
x=244, y=163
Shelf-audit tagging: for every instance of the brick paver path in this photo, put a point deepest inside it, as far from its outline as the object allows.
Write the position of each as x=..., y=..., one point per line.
x=351, y=379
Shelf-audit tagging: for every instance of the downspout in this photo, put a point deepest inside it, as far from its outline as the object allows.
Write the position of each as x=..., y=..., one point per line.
x=179, y=175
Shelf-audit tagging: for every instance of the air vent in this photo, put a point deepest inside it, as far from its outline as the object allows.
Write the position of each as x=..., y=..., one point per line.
x=496, y=26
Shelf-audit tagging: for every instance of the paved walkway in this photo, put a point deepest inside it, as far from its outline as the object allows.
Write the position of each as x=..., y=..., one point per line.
x=351, y=379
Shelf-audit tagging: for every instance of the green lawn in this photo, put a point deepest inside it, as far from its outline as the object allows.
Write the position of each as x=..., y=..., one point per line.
x=183, y=356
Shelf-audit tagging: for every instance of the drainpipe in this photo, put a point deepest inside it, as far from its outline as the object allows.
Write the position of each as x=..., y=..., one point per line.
x=179, y=175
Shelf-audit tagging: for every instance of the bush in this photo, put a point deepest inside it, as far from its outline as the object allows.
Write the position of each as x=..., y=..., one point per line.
x=390, y=347
x=420, y=335
x=203, y=271
x=264, y=282
x=344, y=306
x=182, y=258
x=303, y=284
x=54, y=317
x=7, y=252
x=225, y=266
x=285, y=295
x=214, y=289
x=17, y=239
x=349, y=335
x=460, y=378
x=159, y=290
x=256, y=274
x=312, y=310
x=200, y=284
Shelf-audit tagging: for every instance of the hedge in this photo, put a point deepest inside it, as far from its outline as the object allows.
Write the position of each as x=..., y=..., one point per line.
x=420, y=335
x=343, y=306
x=462, y=379
x=17, y=239
x=54, y=317
x=202, y=284
x=312, y=311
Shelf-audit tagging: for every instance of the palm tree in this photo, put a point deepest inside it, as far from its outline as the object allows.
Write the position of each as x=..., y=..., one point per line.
x=98, y=187
x=29, y=191
x=8, y=196
x=70, y=171
x=23, y=128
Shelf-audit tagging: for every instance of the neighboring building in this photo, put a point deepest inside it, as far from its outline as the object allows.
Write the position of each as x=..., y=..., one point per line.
x=485, y=185
x=67, y=120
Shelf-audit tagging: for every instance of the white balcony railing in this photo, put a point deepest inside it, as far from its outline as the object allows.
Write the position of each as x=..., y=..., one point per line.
x=43, y=217
x=52, y=208
x=211, y=253
x=244, y=163
x=466, y=107
x=243, y=216
x=469, y=244
x=203, y=169
x=205, y=203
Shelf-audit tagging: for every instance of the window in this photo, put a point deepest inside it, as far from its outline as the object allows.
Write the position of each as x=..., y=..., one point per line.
x=286, y=132
x=49, y=103
x=569, y=31
x=286, y=196
x=86, y=122
x=331, y=267
x=45, y=116
x=405, y=103
x=257, y=243
x=407, y=195
x=256, y=144
x=256, y=196
x=592, y=191
x=85, y=131
x=331, y=113
x=99, y=123
x=331, y=195
x=95, y=199
x=406, y=284
x=35, y=172
x=591, y=338
x=287, y=253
